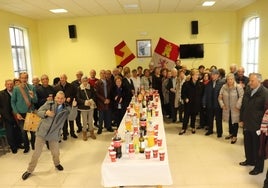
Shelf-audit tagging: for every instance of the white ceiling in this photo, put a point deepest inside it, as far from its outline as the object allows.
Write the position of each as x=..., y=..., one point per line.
x=39, y=9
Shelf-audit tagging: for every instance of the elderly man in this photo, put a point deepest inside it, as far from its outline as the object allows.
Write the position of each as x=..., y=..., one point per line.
x=254, y=104
x=6, y=114
x=92, y=80
x=22, y=101
x=211, y=103
x=103, y=95
x=240, y=78
x=76, y=83
x=70, y=93
x=53, y=117
x=171, y=87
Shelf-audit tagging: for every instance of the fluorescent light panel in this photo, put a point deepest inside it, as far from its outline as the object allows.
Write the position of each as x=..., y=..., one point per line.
x=131, y=6
x=57, y=11
x=208, y=3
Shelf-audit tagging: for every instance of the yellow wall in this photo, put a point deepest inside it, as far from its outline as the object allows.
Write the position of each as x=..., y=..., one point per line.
x=6, y=65
x=54, y=53
x=258, y=8
x=97, y=37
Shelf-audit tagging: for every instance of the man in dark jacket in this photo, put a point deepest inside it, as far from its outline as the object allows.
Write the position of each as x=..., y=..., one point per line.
x=6, y=114
x=210, y=102
x=53, y=117
x=254, y=104
x=70, y=93
x=103, y=98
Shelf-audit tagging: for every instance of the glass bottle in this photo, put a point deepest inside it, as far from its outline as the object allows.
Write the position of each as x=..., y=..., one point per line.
x=117, y=145
x=142, y=142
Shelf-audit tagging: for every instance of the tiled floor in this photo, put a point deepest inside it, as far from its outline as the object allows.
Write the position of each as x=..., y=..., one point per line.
x=196, y=161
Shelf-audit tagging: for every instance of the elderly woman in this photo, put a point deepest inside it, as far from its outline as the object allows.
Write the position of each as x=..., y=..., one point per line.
x=86, y=104
x=230, y=100
x=191, y=94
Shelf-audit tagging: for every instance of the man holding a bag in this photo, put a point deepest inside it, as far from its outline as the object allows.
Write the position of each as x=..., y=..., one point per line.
x=22, y=101
x=53, y=116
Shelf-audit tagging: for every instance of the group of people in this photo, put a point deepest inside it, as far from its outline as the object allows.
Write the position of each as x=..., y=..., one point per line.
x=102, y=102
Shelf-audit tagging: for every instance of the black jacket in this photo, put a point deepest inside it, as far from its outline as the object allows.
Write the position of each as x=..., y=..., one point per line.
x=253, y=108
x=5, y=106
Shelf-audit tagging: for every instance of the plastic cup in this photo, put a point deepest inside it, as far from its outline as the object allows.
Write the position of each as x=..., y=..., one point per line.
x=113, y=156
x=128, y=125
x=136, y=129
x=159, y=142
x=155, y=140
x=131, y=145
x=147, y=153
x=131, y=153
x=156, y=113
x=110, y=148
x=162, y=155
x=155, y=152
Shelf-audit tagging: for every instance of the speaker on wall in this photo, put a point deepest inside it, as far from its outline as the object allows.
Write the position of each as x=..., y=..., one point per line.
x=72, y=31
x=194, y=27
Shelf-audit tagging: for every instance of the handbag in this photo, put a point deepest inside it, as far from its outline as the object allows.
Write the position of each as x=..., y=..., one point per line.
x=31, y=121
x=92, y=102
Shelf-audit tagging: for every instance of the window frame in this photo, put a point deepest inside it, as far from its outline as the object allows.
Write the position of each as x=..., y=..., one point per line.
x=20, y=51
x=250, y=44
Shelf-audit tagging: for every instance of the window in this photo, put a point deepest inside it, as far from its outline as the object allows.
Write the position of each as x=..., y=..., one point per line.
x=20, y=51
x=250, y=46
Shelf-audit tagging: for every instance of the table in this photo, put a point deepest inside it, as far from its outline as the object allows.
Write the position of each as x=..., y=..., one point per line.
x=137, y=171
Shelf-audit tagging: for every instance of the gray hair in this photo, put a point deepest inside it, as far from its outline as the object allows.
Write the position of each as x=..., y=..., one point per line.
x=258, y=75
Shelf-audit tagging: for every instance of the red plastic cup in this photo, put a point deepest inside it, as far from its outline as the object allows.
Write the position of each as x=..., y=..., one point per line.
x=155, y=140
x=113, y=156
x=130, y=146
x=147, y=153
x=162, y=155
x=156, y=127
x=136, y=129
x=155, y=152
x=159, y=142
x=110, y=148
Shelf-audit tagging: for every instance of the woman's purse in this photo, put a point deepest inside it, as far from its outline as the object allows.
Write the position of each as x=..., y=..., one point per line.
x=32, y=120
x=91, y=101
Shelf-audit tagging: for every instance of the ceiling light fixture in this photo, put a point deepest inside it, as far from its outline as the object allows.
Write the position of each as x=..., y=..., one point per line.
x=208, y=3
x=57, y=11
x=131, y=6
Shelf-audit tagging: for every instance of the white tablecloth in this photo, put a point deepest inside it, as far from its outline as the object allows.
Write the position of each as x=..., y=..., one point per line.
x=138, y=170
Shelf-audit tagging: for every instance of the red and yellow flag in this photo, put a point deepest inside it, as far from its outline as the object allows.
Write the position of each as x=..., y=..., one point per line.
x=123, y=55
x=165, y=54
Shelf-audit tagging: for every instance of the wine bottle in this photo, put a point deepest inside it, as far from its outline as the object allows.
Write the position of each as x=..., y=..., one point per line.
x=142, y=142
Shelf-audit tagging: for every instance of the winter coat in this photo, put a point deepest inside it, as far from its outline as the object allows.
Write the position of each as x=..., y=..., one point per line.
x=253, y=108
x=231, y=99
x=210, y=97
x=192, y=92
x=82, y=94
x=50, y=127
x=165, y=91
x=178, y=100
x=100, y=98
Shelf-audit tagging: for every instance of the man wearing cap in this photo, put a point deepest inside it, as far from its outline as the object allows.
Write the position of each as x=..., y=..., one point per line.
x=210, y=101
